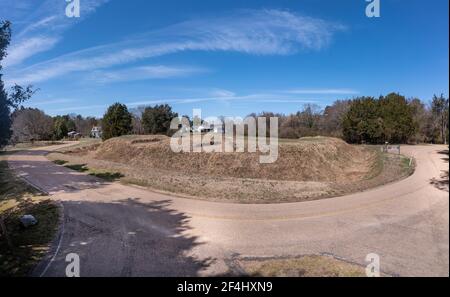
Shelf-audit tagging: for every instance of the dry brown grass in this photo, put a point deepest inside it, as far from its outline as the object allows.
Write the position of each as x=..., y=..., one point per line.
x=324, y=160
x=307, y=169
x=305, y=266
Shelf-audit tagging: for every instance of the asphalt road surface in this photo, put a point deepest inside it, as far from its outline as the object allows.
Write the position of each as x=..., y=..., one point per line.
x=120, y=230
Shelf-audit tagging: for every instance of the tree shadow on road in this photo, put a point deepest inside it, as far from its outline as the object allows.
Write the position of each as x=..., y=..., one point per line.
x=128, y=238
x=442, y=183
x=445, y=153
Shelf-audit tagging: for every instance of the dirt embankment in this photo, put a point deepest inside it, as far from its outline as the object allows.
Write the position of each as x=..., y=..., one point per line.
x=306, y=169
x=312, y=159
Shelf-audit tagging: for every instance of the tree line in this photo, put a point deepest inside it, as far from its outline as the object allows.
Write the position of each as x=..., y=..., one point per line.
x=395, y=119
x=29, y=124
x=391, y=118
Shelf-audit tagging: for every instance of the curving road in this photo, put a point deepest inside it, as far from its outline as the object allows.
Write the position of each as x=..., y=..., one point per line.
x=120, y=230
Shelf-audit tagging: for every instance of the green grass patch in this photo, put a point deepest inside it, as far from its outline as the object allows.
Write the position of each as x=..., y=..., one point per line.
x=407, y=164
x=77, y=167
x=378, y=163
x=108, y=176
x=60, y=162
x=12, y=187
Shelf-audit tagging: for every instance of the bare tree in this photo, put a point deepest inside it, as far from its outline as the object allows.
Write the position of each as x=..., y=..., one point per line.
x=439, y=108
x=84, y=125
x=31, y=124
x=331, y=123
x=138, y=111
x=136, y=122
x=422, y=121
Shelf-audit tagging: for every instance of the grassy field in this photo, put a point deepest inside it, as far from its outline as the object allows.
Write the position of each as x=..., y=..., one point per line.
x=31, y=244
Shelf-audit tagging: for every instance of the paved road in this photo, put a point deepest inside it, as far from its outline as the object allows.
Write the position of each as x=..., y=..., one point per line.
x=122, y=230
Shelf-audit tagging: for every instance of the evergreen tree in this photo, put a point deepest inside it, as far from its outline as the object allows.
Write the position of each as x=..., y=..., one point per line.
x=60, y=129
x=156, y=120
x=397, y=117
x=363, y=121
x=117, y=121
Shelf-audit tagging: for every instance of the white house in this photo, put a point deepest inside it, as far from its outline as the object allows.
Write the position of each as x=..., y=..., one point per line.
x=201, y=129
x=96, y=132
x=205, y=129
x=219, y=129
x=73, y=134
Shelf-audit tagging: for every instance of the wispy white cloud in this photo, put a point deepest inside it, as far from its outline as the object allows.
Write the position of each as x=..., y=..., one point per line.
x=37, y=102
x=213, y=95
x=323, y=91
x=257, y=97
x=27, y=48
x=14, y=10
x=43, y=26
x=253, y=98
x=221, y=93
x=141, y=73
x=77, y=109
x=43, y=23
x=262, y=32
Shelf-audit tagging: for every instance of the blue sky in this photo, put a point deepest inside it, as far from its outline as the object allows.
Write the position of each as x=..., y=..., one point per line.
x=226, y=57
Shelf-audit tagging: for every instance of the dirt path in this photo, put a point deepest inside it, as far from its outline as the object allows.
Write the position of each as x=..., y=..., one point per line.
x=127, y=231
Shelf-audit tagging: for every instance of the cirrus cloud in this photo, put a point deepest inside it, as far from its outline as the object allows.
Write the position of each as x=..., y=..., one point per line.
x=261, y=32
x=43, y=26
x=141, y=73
